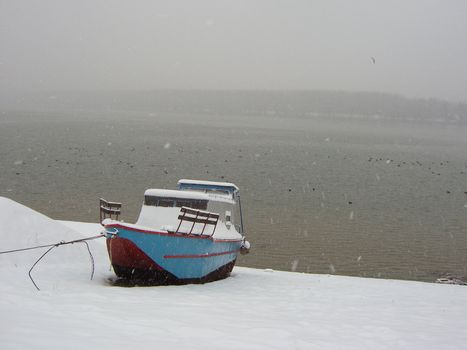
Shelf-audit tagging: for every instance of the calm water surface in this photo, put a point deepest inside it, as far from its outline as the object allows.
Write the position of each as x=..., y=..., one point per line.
x=343, y=196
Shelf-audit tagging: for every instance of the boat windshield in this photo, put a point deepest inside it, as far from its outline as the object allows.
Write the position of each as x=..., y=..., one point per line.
x=176, y=202
x=221, y=188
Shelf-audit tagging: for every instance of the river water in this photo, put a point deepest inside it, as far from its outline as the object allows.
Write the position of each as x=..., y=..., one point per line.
x=345, y=195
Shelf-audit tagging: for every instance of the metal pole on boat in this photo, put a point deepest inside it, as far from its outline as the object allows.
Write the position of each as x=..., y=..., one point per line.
x=241, y=214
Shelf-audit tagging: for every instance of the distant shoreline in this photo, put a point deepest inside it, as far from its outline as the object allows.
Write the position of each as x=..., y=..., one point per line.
x=295, y=103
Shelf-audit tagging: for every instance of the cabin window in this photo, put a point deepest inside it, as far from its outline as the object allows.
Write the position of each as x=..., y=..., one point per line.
x=196, y=204
x=175, y=202
x=182, y=203
x=191, y=203
x=163, y=202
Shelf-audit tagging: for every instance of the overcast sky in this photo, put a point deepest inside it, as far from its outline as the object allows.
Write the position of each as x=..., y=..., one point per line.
x=419, y=46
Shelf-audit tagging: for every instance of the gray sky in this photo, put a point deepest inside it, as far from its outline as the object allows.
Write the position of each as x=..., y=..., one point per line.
x=420, y=46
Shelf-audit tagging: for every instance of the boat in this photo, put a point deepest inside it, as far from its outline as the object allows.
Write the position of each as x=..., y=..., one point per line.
x=192, y=234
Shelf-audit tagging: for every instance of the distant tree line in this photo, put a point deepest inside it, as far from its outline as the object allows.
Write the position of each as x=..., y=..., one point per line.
x=296, y=104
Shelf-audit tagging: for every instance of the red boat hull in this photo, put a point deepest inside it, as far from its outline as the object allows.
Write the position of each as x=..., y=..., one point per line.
x=130, y=262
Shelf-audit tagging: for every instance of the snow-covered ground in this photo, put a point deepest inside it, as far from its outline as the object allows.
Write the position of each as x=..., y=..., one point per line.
x=253, y=309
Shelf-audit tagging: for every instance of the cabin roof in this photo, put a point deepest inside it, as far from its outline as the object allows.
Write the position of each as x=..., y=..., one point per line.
x=176, y=194
x=201, y=184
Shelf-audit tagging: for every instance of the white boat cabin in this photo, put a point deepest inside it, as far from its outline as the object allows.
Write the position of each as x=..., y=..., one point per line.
x=162, y=209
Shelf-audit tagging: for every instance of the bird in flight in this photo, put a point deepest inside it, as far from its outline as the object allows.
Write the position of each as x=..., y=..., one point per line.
x=373, y=60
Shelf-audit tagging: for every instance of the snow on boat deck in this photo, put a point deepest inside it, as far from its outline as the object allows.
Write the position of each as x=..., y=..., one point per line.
x=253, y=309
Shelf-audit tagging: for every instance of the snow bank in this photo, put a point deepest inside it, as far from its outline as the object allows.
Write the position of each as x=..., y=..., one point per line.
x=253, y=309
x=22, y=227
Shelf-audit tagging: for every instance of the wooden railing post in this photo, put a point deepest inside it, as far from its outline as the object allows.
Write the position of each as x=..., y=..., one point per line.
x=109, y=209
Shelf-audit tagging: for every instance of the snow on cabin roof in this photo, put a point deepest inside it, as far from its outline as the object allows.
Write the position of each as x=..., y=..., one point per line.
x=209, y=184
x=188, y=195
x=176, y=194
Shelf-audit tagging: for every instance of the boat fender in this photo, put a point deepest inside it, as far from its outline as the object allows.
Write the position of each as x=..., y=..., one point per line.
x=245, y=248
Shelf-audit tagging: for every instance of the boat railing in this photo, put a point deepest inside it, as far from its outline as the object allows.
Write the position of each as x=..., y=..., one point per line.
x=108, y=209
x=197, y=217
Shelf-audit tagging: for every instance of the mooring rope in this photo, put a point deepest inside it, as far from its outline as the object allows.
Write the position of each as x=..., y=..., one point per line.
x=52, y=246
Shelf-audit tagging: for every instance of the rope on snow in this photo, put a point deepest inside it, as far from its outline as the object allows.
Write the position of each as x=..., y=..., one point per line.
x=52, y=246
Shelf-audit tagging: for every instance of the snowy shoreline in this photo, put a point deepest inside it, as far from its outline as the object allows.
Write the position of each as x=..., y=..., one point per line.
x=252, y=309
